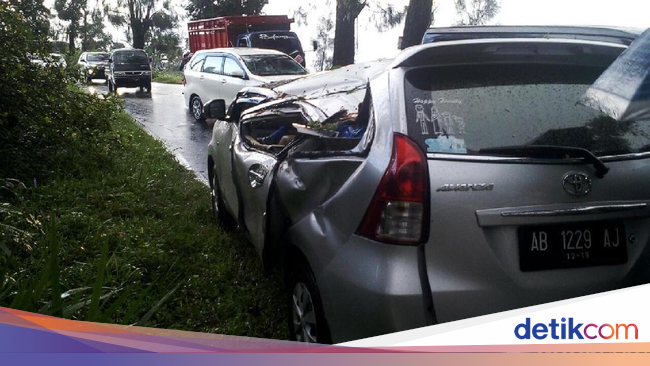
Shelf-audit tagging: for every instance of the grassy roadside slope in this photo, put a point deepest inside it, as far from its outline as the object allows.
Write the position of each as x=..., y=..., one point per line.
x=132, y=241
x=167, y=77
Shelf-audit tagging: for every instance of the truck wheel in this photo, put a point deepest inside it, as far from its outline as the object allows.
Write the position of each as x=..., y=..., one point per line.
x=306, y=315
x=196, y=108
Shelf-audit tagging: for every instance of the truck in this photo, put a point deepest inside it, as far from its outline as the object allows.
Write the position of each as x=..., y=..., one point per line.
x=260, y=31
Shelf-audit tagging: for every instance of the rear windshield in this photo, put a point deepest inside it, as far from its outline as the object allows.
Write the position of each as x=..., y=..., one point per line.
x=130, y=58
x=269, y=65
x=462, y=109
x=284, y=42
x=97, y=57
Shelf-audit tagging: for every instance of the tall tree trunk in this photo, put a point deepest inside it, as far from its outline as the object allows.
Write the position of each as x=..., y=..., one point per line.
x=347, y=12
x=84, y=35
x=138, y=33
x=418, y=20
x=72, y=35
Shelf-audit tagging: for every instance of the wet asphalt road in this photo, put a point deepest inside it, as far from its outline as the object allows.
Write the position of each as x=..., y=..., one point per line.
x=164, y=115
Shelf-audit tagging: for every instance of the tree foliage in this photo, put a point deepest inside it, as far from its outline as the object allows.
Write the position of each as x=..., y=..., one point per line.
x=204, y=9
x=139, y=17
x=164, y=40
x=72, y=12
x=93, y=33
x=323, y=60
x=46, y=123
x=476, y=12
x=384, y=15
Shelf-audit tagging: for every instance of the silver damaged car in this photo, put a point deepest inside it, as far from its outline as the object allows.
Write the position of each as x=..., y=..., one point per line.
x=459, y=179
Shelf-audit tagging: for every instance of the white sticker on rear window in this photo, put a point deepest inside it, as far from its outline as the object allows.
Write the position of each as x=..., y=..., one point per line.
x=442, y=123
x=421, y=118
x=446, y=144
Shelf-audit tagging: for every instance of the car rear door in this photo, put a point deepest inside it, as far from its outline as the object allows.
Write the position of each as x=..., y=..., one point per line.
x=192, y=74
x=513, y=231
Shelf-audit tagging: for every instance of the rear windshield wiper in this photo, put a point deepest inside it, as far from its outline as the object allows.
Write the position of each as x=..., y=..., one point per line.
x=550, y=151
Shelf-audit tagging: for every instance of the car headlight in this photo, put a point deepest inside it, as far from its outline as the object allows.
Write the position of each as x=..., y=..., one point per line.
x=146, y=73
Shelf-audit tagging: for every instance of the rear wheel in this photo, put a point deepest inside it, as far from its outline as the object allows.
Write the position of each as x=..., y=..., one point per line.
x=196, y=108
x=306, y=315
x=221, y=217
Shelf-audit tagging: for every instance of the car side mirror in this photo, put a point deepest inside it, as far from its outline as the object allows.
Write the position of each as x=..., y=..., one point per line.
x=237, y=73
x=215, y=109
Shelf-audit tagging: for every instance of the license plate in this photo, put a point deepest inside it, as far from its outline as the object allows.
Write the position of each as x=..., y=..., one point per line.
x=571, y=245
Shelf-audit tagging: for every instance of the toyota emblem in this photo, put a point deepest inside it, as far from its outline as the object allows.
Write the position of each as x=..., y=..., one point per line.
x=576, y=184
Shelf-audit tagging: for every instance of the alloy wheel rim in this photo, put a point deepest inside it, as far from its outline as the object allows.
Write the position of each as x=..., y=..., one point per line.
x=196, y=107
x=304, y=314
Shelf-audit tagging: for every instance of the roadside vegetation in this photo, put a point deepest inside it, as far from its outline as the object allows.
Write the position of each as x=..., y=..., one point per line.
x=98, y=222
x=167, y=76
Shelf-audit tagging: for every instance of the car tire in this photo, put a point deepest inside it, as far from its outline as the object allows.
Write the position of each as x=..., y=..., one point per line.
x=142, y=89
x=221, y=216
x=196, y=108
x=148, y=87
x=306, y=316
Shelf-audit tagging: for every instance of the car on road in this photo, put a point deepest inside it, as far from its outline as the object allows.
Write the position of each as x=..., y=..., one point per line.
x=128, y=68
x=460, y=179
x=51, y=60
x=93, y=65
x=221, y=73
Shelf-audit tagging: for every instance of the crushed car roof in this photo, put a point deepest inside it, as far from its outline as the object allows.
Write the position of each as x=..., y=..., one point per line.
x=329, y=91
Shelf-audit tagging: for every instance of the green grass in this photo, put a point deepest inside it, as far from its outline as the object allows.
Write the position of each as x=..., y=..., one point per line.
x=167, y=76
x=133, y=242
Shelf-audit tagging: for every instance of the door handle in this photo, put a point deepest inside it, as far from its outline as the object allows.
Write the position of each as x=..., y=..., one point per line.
x=224, y=81
x=256, y=175
x=202, y=77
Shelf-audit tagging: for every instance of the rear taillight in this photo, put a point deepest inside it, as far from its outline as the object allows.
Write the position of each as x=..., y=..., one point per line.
x=399, y=211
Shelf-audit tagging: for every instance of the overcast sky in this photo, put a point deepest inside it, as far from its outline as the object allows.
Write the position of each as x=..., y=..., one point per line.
x=373, y=44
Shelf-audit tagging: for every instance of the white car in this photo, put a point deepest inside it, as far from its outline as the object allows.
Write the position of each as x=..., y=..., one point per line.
x=221, y=73
x=53, y=60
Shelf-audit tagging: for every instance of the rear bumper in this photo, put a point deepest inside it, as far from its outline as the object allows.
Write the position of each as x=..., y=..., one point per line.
x=465, y=285
x=133, y=81
x=370, y=289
